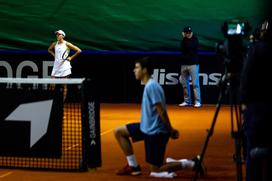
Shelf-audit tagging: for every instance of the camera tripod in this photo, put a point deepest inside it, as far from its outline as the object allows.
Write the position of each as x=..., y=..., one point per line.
x=228, y=86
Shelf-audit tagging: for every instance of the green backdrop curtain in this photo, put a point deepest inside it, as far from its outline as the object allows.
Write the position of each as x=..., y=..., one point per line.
x=132, y=25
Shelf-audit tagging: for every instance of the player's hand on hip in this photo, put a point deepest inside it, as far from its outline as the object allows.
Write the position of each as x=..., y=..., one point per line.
x=69, y=59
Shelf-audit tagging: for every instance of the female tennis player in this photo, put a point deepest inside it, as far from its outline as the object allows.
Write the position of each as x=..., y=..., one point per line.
x=60, y=51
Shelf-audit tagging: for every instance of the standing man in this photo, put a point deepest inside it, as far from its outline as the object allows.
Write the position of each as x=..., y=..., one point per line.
x=190, y=68
x=154, y=129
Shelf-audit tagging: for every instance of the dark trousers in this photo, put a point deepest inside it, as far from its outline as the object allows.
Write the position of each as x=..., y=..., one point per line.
x=258, y=130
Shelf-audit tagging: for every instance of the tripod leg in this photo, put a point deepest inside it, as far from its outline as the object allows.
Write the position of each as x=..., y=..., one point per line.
x=238, y=136
x=210, y=133
x=238, y=158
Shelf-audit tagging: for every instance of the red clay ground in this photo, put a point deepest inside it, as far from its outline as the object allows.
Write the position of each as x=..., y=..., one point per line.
x=192, y=124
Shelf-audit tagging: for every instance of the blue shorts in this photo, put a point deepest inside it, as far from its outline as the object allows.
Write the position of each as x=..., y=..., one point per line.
x=155, y=145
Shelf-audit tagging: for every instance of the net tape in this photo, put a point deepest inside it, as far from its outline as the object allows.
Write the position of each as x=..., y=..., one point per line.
x=42, y=80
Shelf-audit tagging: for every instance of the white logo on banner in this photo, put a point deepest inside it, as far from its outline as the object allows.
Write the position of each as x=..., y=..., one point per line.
x=38, y=113
x=173, y=78
x=91, y=112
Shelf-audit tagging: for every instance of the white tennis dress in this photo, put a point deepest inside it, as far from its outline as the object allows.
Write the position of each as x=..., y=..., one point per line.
x=61, y=67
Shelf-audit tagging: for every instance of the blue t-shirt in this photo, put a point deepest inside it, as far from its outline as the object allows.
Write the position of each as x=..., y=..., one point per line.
x=151, y=122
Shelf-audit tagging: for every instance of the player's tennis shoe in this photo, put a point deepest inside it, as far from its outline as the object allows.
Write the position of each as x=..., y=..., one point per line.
x=129, y=170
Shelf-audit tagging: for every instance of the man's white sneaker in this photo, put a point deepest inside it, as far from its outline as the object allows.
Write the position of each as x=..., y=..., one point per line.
x=197, y=105
x=184, y=104
x=169, y=160
x=163, y=174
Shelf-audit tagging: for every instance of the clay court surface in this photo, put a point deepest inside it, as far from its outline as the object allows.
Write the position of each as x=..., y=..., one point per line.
x=192, y=124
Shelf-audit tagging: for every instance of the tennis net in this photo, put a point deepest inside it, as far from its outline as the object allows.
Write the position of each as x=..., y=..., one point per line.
x=49, y=124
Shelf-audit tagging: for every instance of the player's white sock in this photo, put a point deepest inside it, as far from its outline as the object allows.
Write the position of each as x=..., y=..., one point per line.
x=132, y=161
x=163, y=174
x=185, y=163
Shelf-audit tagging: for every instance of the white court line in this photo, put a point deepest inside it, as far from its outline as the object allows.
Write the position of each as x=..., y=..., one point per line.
x=105, y=132
x=110, y=130
x=6, y=174
x=101, y=134
x=70, y=147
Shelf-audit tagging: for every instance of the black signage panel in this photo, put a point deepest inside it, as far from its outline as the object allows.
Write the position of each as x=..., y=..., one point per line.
x=31, y=122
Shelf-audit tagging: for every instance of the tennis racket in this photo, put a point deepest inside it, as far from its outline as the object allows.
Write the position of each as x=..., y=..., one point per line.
x=65, y=54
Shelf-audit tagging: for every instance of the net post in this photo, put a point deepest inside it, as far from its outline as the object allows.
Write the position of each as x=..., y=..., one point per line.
x=91, y=125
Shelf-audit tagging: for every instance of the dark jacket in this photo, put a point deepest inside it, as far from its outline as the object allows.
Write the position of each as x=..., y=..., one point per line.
x=188, y=47
x=256, y=74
